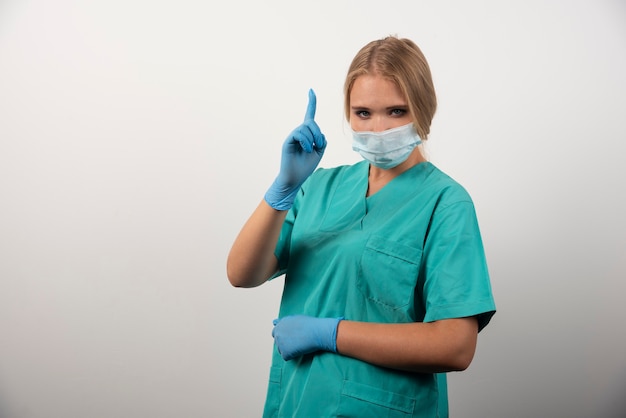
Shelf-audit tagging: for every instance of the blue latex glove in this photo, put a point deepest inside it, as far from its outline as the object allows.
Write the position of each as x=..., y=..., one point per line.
x=301, y=152
x=298, y=335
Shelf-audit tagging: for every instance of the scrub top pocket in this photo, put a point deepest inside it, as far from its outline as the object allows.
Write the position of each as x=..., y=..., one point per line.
x=364, y=401
x=388, y=272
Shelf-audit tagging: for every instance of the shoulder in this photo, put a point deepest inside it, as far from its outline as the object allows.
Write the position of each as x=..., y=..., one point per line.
x=331, y=175
x=341, y=169
x=450, y=191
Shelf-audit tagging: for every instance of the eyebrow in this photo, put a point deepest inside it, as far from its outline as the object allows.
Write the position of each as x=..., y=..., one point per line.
x=386, y=108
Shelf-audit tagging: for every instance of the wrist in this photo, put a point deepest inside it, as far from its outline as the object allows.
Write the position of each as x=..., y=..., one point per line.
x=280, y=197
x=332, y=325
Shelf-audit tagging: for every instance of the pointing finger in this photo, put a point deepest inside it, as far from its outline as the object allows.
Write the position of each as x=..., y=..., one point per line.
x=310, y=110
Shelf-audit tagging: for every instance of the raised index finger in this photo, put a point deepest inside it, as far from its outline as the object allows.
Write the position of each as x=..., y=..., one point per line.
x=310, y=109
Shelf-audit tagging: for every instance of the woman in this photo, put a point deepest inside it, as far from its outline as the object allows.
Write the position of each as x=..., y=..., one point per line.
x=386, y=283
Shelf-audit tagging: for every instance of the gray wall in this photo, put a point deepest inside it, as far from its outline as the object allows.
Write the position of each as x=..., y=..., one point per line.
x=137, y=136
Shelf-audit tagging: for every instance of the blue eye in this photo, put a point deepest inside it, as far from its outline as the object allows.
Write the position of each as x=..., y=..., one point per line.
x=362, y=113
x=398, y=112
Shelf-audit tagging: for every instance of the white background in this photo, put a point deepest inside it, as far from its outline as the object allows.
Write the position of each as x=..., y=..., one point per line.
x=137, y=136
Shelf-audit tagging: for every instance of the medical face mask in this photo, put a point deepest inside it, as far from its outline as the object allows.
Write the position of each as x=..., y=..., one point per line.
x=386, y=149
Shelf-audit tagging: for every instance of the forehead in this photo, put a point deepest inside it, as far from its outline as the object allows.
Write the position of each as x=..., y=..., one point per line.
x=372, y=90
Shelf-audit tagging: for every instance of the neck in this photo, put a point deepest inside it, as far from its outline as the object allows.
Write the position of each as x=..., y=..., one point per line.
x=379, y=177
x=414, y=159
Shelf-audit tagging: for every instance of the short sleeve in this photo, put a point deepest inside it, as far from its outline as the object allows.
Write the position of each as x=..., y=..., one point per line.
x=457, y=280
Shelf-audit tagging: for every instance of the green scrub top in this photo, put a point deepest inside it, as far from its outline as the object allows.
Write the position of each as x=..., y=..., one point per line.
x=412, y=252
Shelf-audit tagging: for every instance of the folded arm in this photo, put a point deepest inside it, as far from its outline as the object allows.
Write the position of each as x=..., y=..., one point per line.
x=440, y=346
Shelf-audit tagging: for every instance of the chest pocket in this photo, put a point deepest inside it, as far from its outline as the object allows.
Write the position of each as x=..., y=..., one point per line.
x=388, y=272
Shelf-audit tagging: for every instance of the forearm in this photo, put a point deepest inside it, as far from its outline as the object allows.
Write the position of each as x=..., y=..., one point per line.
x=440, y=346
x=251, y=260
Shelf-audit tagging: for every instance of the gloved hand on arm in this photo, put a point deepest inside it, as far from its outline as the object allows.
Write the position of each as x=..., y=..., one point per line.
x=298, y=335
x=301, y=152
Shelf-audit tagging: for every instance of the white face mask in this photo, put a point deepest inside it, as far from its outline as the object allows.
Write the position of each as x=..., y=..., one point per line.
x=386, y=149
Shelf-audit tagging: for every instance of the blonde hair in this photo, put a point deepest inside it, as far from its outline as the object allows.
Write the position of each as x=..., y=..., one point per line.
x=402, y=62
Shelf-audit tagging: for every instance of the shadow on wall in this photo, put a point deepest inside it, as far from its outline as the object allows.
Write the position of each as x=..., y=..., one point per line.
x=616, y=400
x=3, y=412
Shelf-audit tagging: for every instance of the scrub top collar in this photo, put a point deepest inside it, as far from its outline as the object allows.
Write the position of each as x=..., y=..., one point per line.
x=351, y=197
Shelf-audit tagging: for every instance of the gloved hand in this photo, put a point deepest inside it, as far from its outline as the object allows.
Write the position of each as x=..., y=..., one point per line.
x=301, y=152
x=298, y=335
